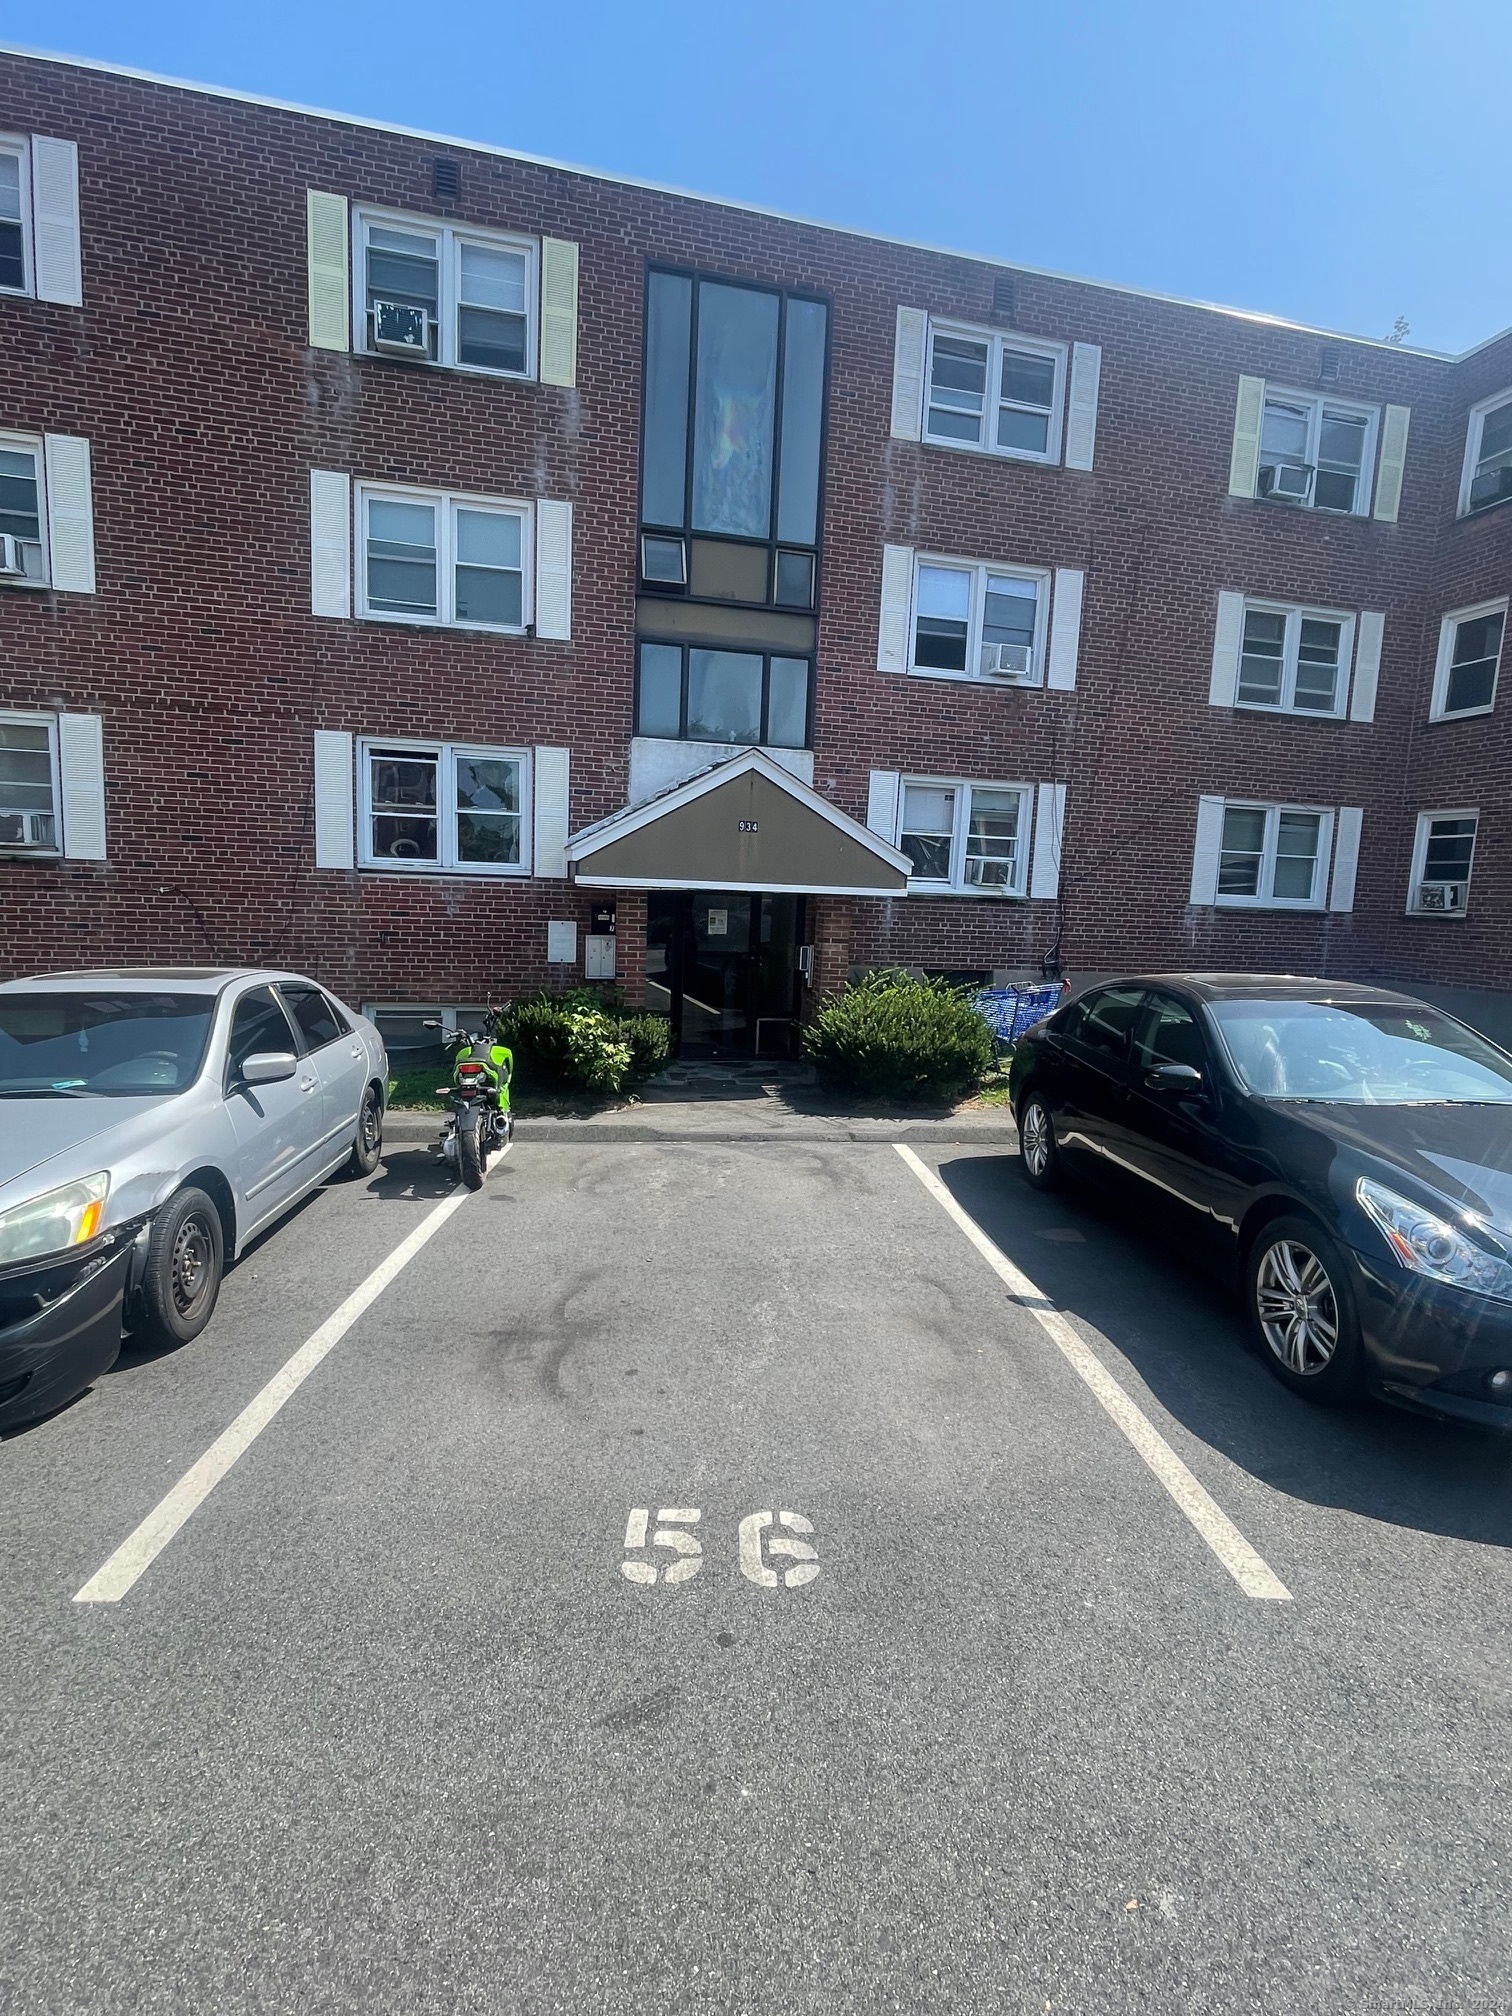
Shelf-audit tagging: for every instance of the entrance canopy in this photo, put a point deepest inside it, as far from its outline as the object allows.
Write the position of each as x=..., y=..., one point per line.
x=743, y=824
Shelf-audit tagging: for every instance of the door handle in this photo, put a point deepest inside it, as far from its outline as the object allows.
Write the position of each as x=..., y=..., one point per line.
x=356, y=1049
x=309, y=1084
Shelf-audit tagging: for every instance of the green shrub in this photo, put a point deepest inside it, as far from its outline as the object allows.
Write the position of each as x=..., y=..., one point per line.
x=583, y=1038
x=894, y=1037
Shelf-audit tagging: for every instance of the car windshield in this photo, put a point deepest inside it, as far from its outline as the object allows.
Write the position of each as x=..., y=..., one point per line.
x=1374, y=1053
x=83, y=1045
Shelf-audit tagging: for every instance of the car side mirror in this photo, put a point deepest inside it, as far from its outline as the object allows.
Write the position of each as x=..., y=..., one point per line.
x=268, y=1067
x=1175, y=1078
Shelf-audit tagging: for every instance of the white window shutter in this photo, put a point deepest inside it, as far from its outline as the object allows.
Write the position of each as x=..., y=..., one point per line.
x=910, y=345
x=1249, y=413
x=553, y=581
x=1369, y=632
x=81, y=770
x=333, y=798
x=1065, y=628
x=1346, y=857
x=70, y=514
x=1049, y=823
x=897, y=603
x=1228, y=642
x=882, y=805
x=559, y=311
x=551, y=804
x=55, y=221
x=327, y=255
x=1208, y=850
x=1081, y=408
x=1388, y=497
x=330, y=543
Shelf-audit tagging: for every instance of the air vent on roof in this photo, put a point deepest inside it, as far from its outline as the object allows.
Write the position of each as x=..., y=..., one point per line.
x=1329, y=360
x=1002, y=295
x=446, y=181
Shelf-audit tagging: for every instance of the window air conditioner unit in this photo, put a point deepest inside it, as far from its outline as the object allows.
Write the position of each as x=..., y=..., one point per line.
x=1491, y=488
x=1007, y=661
x=1287, y=482
x=1445, y=896
x=12, y=561
x=26, y=829
x=399, y=331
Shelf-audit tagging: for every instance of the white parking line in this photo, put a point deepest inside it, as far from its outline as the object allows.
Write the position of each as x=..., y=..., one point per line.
x=137, y=1553
x=1247, y=1567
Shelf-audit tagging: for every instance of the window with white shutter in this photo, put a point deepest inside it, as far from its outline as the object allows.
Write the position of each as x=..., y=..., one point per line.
x=55, y=220
x=444, y=808
x=964, y=838
x=428, y=292
x=70, y=514
x=997, y=394
x=437, y=557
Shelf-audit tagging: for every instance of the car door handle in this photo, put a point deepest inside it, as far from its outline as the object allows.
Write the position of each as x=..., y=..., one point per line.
x=356, y=1049
x=309, y=1084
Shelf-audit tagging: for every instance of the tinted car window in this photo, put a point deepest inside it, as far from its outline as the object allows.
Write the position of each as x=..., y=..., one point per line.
x=314, y=1014
x=1168, y=1034
x=258, y=1024
x=1110, y=1016
x=101, y=1045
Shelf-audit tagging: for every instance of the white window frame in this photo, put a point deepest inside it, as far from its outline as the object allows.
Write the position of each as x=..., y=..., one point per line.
x=980, y=570
x=1448, y=631
x=1263, y=900
x=957, y=885
x=33, y=445
x=1296, y=613
x=1420, y=858
x=1315, y=401
x=449, y=240
x=1474, y=432
x=445, y=753
x=19, y=144
x=997, y=341
x=20, y=717
x=447, y=504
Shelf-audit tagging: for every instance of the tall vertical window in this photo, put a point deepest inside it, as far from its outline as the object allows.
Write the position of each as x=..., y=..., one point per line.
x=15, y=276
x=733, y=440
x=1488, y=455
x=1469, y=658
x=1442, y=856
x=21, y=508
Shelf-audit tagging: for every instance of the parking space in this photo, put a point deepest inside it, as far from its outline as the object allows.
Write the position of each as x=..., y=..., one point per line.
x=947, y=1702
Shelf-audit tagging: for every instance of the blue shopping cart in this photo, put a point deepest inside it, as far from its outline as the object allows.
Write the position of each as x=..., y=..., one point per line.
x=1009, y=1011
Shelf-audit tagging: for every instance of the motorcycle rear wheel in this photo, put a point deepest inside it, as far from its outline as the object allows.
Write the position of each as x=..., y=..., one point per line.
x=470, y=1157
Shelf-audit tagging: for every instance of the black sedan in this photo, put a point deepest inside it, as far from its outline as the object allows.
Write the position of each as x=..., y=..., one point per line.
x=1344, y=1152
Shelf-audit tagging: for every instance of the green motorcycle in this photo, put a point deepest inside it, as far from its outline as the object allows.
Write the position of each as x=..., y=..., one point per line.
x=480, y=1123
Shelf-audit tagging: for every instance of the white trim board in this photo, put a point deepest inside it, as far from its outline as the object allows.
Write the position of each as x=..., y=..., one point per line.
x=451, y=140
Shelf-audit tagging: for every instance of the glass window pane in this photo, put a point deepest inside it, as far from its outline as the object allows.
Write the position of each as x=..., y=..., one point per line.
x=1341, y=441
x=405, y=267
x=669, y=310
x=492, y=303
x=1243, y=846
x=787, y=703
x=488, y=810
x=489, y=581
x=1496, y=436
x=944, y=611
x=802, y=422
x=795, y=580
x=25, y=778
x=1296, y=855
x=490, y=595
x=490, y=341
x=734, y=410
x=488, y=538
x=494, y=278
x=12, y=257
x=401, y=557
x=992, y=836
x=957, y=388
x=1010, y=610
x=659, y=702
x=945, y=592
x=1027, y=432
x=19, y=510
x=10, y=186
x=1028, y=380
x=1317, y=665
x=724, y=696
x=403, y=792
x=664, y=560
x=1472, y=671
x=927, y=826
x=1260, y=661
x=1451, y=845
x=1283, y=435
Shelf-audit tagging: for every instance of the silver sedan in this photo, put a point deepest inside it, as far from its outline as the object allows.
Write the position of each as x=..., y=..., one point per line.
x=152, y=1122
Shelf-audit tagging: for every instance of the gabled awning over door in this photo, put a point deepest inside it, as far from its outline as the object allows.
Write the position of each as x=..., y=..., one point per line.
x=743, y=824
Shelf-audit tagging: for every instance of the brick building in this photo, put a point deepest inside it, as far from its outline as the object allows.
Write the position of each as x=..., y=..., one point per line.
x=422, y=565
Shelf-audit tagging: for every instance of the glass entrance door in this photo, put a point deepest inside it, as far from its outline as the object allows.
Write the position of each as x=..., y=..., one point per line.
x=724, y=967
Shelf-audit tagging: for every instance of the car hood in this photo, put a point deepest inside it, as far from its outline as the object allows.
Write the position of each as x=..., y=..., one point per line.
x=34, y=1131
x=1463, y=1152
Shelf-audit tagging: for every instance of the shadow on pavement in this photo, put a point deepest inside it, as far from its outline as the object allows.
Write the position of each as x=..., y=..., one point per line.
x=411, y=1173
x=1186, y=1337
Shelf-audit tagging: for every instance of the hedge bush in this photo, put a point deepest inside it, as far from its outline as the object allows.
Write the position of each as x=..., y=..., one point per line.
x=892, y=1036
x=584, y=1039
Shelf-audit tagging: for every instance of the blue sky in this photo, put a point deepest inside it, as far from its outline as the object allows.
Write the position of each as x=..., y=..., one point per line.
x=1341, y=162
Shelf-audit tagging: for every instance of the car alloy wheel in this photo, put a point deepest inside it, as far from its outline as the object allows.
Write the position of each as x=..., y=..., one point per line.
x=1297, y=1308
x=1034, y=1138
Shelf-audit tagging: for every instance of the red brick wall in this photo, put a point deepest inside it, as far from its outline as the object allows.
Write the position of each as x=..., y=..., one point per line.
x=188, y=370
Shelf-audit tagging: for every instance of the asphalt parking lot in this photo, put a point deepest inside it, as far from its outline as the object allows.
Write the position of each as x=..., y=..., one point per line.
x=385, y=1723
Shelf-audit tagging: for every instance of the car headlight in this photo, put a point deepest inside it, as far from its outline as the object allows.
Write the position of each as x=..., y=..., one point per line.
x=1428, y=1244
x=69, y=1216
